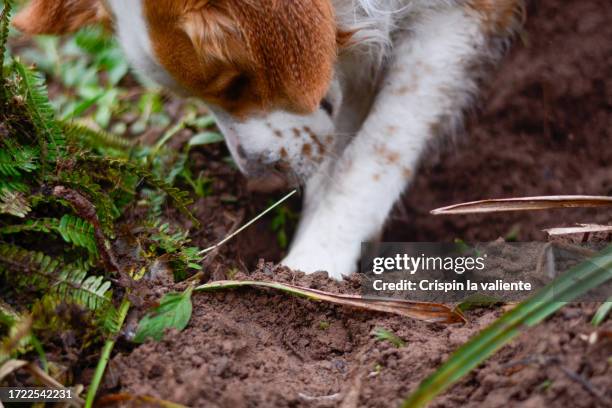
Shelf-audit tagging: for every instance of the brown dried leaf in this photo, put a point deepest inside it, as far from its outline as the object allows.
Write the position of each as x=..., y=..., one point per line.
x=429, y=312
x=525, y=204
x=580, y=229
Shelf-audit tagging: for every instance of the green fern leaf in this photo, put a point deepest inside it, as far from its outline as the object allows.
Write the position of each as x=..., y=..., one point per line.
x=41, y=272
x=41, y=113
x=81, y=181
x=77, y=133
x=13, y=163
x=5, y=19
x=14, y=203
x=14, y=185
x=181, y=199
x=45, y=225
x=78, y=232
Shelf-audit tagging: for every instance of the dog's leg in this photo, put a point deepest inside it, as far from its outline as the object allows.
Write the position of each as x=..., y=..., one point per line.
x=429, y=83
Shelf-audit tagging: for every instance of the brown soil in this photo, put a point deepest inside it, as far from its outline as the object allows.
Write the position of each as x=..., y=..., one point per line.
x=544, y=128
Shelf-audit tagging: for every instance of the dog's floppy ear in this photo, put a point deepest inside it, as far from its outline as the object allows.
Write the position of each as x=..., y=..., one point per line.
x=59, y=16
x=287, y=49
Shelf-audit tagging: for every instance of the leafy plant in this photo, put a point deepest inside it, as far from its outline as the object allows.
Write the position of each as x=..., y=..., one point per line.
x=175, y=245
x=77, y=62
x=283, y=219
x=174, y=311
x=65, y=191
x=385, y=335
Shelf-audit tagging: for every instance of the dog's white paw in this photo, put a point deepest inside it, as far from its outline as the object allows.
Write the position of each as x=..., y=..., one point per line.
x=316, y=258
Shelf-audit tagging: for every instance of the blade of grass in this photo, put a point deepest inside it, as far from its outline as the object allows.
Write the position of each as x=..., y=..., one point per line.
x=429, y=312
x=525, y=204
x=248, y=224
x=104, y=358
x=602, y=313
x=553, y=297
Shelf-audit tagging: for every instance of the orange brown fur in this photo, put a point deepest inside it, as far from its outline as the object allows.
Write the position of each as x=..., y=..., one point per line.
x=500, y=16
x=253, y=55
x=245, y=56
x=60, y=16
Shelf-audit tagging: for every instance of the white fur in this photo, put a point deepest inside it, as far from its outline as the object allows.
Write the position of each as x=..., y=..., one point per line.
x=410, y=72
x=426, y=82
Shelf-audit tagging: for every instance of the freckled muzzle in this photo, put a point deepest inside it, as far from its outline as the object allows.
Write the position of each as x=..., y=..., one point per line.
x=266, y=173
x=278, y=149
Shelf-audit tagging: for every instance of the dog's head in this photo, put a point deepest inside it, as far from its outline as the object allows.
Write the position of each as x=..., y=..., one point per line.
x=265, y=67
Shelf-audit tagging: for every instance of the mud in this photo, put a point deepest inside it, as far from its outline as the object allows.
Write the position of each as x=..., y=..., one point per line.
x=544, y=127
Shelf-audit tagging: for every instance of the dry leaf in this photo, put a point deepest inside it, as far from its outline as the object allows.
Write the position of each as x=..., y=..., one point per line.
x=525, y=204
x=429, y=312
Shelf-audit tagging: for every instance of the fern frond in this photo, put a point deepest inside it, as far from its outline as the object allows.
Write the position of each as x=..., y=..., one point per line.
x=89, y=291
x=14, y=162
x=78, y=232
x=72, y=229
x=41, y=272
x=14, y=185
x=5, y=20
x=41, y=113
x=81, y=181
x=77, y=133
x=180, y=198
x=45, y=225
x=47, y=319
x=14, y=203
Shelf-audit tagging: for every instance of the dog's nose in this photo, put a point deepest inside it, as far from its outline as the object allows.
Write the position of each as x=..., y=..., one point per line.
x=267, y=184
x=264, y=175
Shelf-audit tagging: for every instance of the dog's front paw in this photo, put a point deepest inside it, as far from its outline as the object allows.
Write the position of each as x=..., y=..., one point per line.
x=315, y=258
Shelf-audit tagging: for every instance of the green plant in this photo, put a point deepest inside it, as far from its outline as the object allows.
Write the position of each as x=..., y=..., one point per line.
x=284, y=218
x=385, y=335
x=603, y=312
x=174, y=311
x=77, y=63
x=578, y=281
x=65, y=193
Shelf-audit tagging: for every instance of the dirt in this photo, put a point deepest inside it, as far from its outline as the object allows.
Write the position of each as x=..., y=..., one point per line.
x=544, y=127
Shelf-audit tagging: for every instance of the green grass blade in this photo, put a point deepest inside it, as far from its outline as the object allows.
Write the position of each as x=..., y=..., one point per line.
x=105, y=357
x=553, y=297
x=603, y=312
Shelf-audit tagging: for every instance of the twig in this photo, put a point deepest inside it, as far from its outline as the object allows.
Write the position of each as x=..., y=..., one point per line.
x=212, y=254
x=36, y=372
x=247, y=225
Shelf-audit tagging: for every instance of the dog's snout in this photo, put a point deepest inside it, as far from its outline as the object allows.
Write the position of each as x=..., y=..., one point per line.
x=241, y=153
x=266, y=173
x=259, y=164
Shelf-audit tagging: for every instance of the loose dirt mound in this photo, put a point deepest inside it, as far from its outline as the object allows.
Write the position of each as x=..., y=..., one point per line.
x=545, y=128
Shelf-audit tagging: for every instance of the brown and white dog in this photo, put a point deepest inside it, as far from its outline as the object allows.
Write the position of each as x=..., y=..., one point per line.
x=345, y=95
